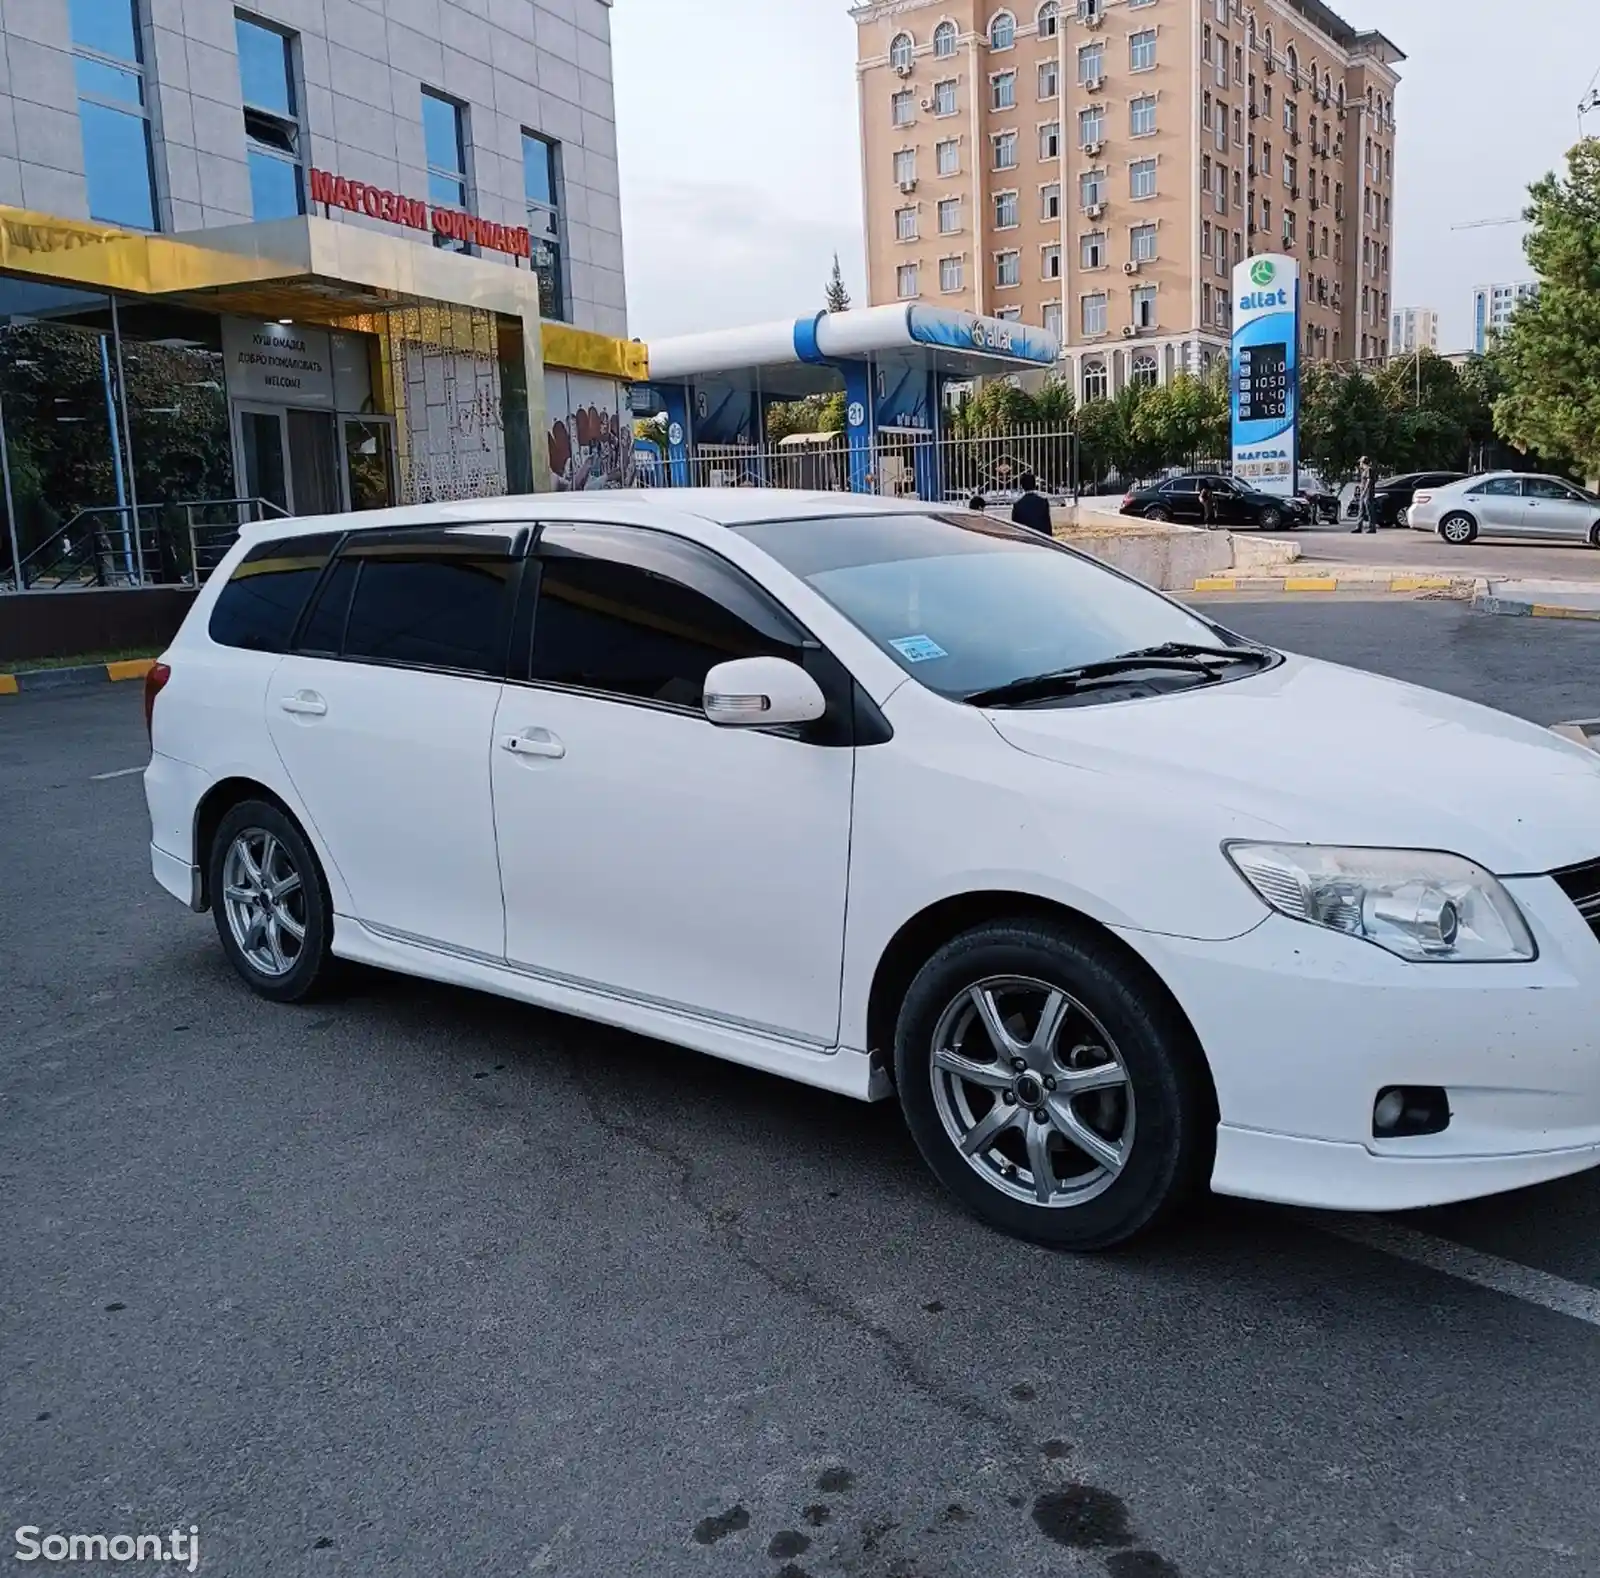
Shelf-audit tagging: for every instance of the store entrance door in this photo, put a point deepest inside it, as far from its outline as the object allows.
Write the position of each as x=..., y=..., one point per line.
x=290, y=457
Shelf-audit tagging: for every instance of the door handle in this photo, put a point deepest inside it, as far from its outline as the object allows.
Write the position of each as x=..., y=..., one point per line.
x=533, y=742
x=305, y=704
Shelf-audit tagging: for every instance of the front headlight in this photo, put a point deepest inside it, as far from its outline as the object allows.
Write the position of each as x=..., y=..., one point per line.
x=1424, y=906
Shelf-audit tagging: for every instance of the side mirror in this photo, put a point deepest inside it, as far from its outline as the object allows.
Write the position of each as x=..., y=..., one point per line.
x=761, y=692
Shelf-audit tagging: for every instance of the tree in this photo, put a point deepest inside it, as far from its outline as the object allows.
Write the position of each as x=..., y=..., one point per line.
x=1550, y=354
x=1182, y=420
x=836, y=298
x=814, y=414
x=1342, y=418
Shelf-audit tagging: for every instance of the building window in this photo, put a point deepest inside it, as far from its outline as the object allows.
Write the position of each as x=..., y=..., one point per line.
x=1142, y=243
x=1144, y=307
x=1092, y=250
x=900, y=52
x=1008, y=269
x=1095, y=383
x=948, y=155
x=905, y=166
x=1142, y=50
x=1003, y=31
x=1146, y=372
x=1142, y=178
x=1052, y=261
x=1049, y=79
x=1091, y=63
x=944, y=40
x=944, y=97
x=540, y=188
x=1049, y=19
x=905, y=279
x=902, y=108
x=1050, y=140
x=1205, y=304
x=1091, y=125
x=1094, y=313
x=1005, y=151
x=1050, y=201
x=949, y=216
x=1052, y=318
x=444, y=137
x=905, y=224
x=271, y=120
x=1142, y=115
x=112, y=115
x=1003, y=91
x=951, y=274
x=1092, y=188
x=1008, y=314
x=1005, y=210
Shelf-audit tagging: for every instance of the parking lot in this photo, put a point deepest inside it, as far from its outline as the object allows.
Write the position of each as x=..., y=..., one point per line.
x=1512, y=558
x=414, y=1281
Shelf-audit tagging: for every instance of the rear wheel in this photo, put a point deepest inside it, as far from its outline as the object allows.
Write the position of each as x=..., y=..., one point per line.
x=1402, y=516
x=270, y=902
x=1158, y=514
x=1049, y=1088
x=1458, y=529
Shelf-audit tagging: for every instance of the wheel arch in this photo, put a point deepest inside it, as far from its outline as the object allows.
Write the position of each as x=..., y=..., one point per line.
x=216, y=803
x=920, y=937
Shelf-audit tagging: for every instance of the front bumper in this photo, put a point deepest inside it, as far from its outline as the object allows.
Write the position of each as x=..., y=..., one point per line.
x=1303, y=1027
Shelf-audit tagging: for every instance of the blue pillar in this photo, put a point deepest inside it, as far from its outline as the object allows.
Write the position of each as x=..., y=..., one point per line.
x=676, y=399
x=858, y=400
x=925, y=461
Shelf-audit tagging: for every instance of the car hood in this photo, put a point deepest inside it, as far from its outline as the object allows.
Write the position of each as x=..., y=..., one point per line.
x=1316, y=753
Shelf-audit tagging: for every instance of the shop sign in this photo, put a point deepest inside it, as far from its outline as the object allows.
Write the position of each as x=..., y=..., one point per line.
x=395, y=208
x=279, y=363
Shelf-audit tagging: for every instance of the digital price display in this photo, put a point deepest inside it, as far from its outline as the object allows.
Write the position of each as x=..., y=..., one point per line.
x=1263, y=382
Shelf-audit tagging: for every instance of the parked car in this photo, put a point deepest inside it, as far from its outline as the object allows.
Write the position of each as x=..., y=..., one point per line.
x=1508, y=504
x=1178, y=499
x=1392, y=497
x=690, y=763
x=1321, y=506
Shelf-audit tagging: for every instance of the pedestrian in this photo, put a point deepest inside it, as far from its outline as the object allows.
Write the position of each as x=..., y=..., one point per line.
x=978, y=503
x=1208, y=505
x=1365, y=483
x=1032, y=509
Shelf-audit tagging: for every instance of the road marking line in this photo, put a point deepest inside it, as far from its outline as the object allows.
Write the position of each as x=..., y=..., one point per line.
x=121, y=772
x=1467, y=1265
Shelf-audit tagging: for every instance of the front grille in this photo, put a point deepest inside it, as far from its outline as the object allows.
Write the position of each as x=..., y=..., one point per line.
x=1581, y=884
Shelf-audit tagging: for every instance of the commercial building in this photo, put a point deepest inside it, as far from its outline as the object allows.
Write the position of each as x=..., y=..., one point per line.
x=1414, y=328
x=312, y=254
x=1099, y=167
x=1492, y=306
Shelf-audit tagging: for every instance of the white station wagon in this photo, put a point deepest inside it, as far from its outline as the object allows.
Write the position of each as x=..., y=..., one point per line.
x=898, y=800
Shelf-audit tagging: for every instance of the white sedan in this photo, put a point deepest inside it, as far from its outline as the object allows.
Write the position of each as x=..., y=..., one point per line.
x=1507, y=504
x=898, y=800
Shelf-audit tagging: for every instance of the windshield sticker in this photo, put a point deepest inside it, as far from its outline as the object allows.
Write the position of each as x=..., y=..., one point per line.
x=918, y=649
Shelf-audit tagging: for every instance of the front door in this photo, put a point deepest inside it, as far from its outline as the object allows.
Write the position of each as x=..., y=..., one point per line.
x=262, y=460
x=645, y=851
x=1552, y=509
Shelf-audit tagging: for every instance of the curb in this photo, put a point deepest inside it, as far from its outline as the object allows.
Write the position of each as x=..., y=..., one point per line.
x=1331, y=583
x=90, y=674
x=1511, y=608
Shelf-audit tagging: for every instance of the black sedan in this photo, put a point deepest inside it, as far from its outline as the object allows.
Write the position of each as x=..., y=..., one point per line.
x=1391, y=499
x=1178, y=499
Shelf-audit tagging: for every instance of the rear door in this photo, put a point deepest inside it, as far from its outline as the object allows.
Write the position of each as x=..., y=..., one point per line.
x=1229, y=504
x=1497, y=506
x=1552, y=509
x=383, y=716
x=1181, y=499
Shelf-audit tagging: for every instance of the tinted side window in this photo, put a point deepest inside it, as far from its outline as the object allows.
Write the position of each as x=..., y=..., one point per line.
x=259, y=606
x=1548, y=488
x=323, y=630
x=439, y=602
x=1498, y=488
x=642, y=614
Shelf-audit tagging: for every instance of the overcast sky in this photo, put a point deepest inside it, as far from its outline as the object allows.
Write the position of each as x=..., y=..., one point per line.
x=741, y=173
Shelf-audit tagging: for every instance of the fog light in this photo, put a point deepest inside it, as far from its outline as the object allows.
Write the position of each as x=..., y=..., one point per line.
x=1404, y=1110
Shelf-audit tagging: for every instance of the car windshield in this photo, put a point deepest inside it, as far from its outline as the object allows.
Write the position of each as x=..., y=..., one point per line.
x=966, y=605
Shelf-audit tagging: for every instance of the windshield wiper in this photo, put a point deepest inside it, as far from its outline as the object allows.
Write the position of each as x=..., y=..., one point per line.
x=1191, y=649
x=1067, y=681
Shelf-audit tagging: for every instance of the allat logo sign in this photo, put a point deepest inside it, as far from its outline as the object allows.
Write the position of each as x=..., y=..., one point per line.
x=377, y=202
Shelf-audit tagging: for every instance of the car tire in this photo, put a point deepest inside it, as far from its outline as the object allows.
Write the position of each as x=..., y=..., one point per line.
x=1159, y=515
x=1270, y=519
x=266, y=886
x=1132, y=1146
x=1402, y=517
x=1594, y=535
x=1458, y=529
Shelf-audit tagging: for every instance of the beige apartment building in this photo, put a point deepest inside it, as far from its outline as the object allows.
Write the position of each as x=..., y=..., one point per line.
x=1097, y=167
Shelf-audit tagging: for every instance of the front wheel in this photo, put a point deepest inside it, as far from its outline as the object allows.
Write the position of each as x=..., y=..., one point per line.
x=1458, y=530
x=270, y=902
x=1050, y=1089
x=1269, y=519
x=1594, y=535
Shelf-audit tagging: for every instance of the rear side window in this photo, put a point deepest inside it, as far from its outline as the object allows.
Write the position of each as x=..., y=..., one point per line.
x=645, y=615
x=439, y=602
x=1499, y=488
x=259, y=607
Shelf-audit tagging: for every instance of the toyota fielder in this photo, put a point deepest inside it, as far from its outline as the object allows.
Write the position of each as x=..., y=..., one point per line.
x=890, y=799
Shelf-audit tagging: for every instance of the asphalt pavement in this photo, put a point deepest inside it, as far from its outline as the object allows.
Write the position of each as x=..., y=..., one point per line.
x=420, y=1282
x=1522, y=559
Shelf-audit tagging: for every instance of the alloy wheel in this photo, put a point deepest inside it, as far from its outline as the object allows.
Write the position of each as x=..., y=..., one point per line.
x=265, y=901
x=1032, y=1091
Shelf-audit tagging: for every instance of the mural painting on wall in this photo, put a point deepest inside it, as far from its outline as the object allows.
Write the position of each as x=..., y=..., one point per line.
x=590, y=434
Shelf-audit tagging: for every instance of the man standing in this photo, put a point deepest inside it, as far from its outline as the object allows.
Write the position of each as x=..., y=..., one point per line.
x=1365, y=483
x=1032, y=509
x=1208, y=505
